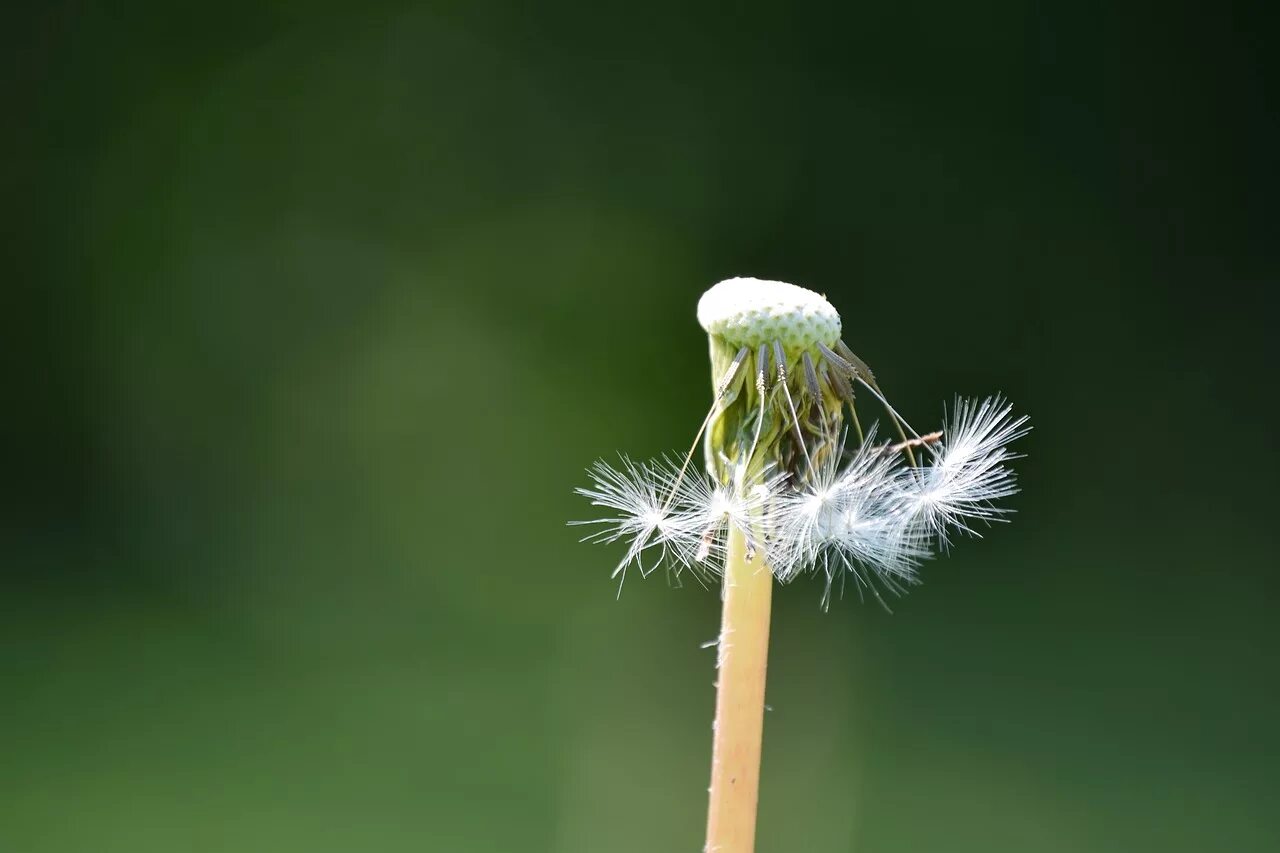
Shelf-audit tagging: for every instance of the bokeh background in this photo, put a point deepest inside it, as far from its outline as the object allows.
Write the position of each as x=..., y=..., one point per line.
x=314, y=317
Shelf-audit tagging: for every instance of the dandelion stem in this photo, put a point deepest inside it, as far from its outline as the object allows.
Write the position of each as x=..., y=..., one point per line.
x=743, y=660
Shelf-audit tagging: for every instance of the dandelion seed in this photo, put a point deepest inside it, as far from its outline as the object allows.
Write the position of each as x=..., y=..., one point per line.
x=968, y=474
x=852, y=521
x=645, y=518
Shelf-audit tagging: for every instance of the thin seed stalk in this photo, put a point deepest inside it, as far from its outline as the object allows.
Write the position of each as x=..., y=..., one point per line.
x=739, y=724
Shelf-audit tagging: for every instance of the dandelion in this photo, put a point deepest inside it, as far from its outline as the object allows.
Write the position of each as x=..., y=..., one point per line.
x=782, y=494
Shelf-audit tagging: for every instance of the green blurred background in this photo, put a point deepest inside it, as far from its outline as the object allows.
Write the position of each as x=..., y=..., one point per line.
x=314, y=317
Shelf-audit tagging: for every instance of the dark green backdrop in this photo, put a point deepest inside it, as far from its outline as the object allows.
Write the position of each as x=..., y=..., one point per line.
x=313, y=319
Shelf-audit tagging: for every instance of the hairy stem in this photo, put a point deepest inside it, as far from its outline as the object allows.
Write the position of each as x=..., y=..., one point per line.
x=743, y=660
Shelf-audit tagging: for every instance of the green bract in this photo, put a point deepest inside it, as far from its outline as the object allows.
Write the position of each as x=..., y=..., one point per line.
x=779, y=400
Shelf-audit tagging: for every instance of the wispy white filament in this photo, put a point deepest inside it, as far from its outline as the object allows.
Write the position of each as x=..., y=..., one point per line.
x=968, y=473
x=869, y=516
x=646, y=518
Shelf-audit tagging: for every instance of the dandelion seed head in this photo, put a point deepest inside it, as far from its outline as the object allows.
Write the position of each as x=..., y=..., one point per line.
x=752, y=311
x=778, y=477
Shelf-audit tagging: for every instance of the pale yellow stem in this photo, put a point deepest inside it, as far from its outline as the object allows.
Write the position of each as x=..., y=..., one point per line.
x=744, y=658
